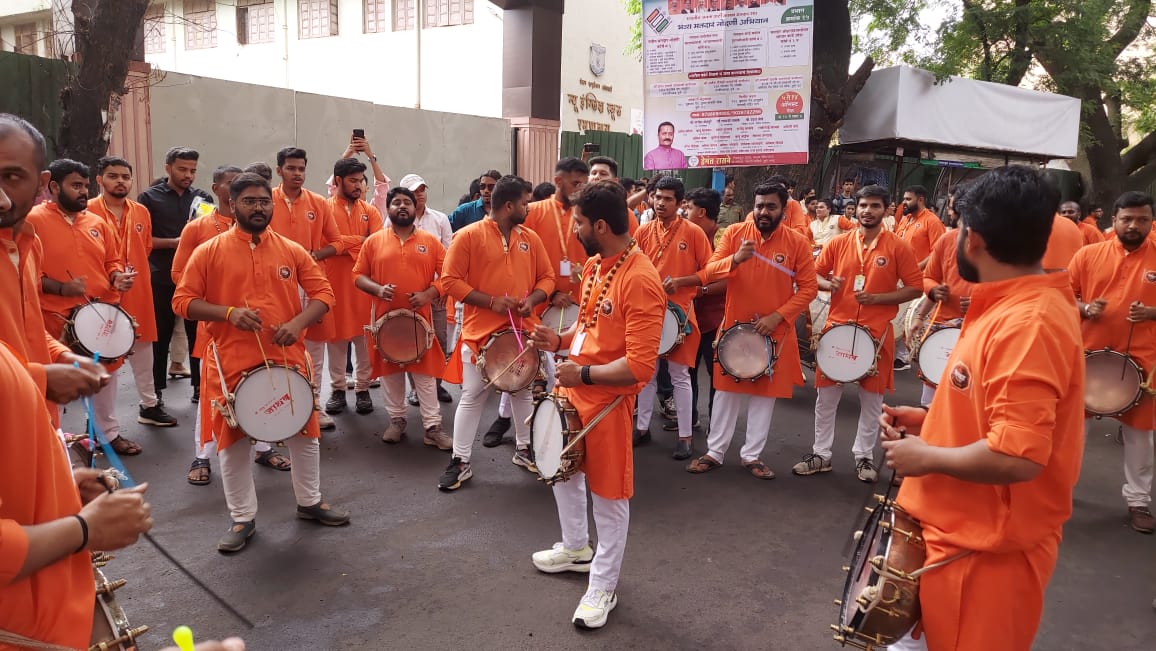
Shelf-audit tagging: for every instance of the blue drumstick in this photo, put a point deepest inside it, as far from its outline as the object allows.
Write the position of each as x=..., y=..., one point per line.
x=774, y=264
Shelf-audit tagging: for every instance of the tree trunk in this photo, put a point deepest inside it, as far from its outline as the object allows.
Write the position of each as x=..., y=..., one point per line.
x=832, y=91
x=105, y=32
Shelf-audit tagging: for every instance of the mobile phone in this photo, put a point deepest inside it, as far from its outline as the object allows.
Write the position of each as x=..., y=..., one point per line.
x=589, y=150
x=359, y=133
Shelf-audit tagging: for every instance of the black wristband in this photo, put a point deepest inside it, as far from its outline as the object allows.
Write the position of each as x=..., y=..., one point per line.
x=84, y=533
x=586, y=375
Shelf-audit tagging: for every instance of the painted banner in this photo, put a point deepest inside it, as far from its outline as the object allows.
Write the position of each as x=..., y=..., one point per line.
x=728, y=82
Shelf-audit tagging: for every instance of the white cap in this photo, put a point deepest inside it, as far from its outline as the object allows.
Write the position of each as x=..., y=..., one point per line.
x=412, y=182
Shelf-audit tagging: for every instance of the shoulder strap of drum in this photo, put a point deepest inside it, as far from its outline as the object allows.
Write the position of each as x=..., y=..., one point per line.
x=589, y=426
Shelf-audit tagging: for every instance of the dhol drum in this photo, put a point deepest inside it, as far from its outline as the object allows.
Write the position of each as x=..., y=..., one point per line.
x=880, y=600
x=847, y=353
x=103, y=328
x=560, y=319
x=271, y=403
x=1114, y=383
x=110, y=626
x=932, y=351
x=675, y=328
x=744, y=354
x=508, y=363
x=402, y=336
x=553, y=426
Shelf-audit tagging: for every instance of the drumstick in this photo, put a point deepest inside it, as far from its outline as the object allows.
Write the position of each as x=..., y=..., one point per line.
x=1127, y=348
x=508, y=367
x=261, y=346
x=774, y=264
x=288, y=381
x=934, y=316
x=517, y=332
x=856, y=322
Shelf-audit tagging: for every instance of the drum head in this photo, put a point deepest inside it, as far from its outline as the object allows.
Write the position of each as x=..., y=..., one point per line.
x=744, y=353
x=560, y=320
x=273, y=403
x=402, y=337
x=846, y=353
x=934, y=352
x=498, y=354
x=1112, y=383
x=547, y=438
x=103, y=328
x=670, y=329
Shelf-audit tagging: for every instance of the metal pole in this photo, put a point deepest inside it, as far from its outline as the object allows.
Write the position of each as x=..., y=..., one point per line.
x=419, y=21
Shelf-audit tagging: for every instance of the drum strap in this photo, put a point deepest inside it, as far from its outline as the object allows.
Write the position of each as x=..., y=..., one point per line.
x=597, y=419
x=19, y=640
x=934, y=566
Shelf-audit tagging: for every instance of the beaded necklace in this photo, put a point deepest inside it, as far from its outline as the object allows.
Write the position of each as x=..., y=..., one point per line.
x=670, y=238
x=589, y=320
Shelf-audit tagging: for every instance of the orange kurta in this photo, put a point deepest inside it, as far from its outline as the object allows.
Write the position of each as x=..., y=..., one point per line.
x=1010, y=383
x=756, y=289
x=134, y=233
x=21, y=321
x=308, y=222
x=627, y=323
x=942, y=269
x=887, y=262
x=555, y=227
x=86, y=247
x=681, y=250
x=1091, y=233
x=1110, y=272
x=480, y=259
x=411, y=266
x=920, y=231
x=794, y=217
x=1063, y=243
x=355, y=222
x=197, y=232
x=36, y=486
x=229, y=271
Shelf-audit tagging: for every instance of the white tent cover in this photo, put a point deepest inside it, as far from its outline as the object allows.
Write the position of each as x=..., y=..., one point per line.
x=904, y=103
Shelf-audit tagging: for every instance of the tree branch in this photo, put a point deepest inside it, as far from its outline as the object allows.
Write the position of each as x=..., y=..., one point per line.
x=1142, y=154
x=1142, y=178
x=971, y=12
x=1130, y=26
x=1021, y=54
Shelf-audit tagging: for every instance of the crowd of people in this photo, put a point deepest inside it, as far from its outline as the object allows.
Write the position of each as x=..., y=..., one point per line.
x=593, y=301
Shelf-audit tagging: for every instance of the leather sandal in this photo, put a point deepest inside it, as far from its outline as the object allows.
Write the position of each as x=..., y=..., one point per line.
x=125, y=447
x=759, y=469
x=273, y=459
x=702, y=465
x=200, y=472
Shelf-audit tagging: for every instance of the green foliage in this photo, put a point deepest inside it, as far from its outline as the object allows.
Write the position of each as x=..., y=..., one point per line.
x=890, y=31
x=634, y=8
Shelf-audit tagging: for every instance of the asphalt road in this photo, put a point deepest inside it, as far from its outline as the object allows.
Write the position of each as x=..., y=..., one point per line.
x=720, y=561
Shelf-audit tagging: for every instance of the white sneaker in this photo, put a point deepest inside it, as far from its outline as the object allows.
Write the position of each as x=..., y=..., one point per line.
x=559, y=559
x=324, y=421
x=594, y=608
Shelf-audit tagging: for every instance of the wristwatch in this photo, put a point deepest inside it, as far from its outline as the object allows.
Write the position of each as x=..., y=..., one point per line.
x=586, y=375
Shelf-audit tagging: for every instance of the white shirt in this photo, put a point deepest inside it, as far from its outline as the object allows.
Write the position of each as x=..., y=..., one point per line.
x=825, y=230
x=435, y=223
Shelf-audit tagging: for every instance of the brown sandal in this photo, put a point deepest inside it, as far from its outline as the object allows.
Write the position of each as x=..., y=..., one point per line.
x=125, y=447
x=273, y=459
x=200, y=473
x=759, y=469
x=702, y=464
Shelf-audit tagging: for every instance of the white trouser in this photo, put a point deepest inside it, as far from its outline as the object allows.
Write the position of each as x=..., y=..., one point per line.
x=473, y=400
x=393, y=387
x=547, y=368
x=907, y=644
x=724, y=417
x=179, y=344
x=316, y=350
x=207, y=450
x=927, y=396
x=141, y=364
x=1137, y=489
x=456, y=335
x=683, y=399
x=826, y=406
x=237, y=476
x=104, y=408
x=362, y=368
x=611, y=521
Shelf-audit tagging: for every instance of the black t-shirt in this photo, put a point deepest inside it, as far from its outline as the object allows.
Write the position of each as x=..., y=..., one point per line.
x=169, y=212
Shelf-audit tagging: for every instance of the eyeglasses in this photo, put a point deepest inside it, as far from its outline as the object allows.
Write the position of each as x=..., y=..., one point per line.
x=250, y=202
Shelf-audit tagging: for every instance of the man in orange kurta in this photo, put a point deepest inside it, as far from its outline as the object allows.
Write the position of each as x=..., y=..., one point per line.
x=82, y=262
x=500, y=271
x=920, y=228
x=303, y=216
x=947, y=294
x=1063, y=243
x=246, y=286
x=397, y=269
x=771, y=296
x=989, y=470
x=677, y=248
x=132, y=225
x=1090, y=231
x=612, y=351
x=869, y=272
x=345, y=324
x=1115, y=285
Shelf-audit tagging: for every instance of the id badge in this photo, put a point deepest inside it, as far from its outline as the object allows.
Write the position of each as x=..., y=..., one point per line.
x=576, y=343
x=564, y=268
x=860, y=283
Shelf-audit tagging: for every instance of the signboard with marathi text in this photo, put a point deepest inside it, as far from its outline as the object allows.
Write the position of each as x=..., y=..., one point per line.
x=728, y=82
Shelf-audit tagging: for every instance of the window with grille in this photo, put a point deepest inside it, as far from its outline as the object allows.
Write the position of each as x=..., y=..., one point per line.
x=200, y=24
x=317, y=18
x=438, y=13
x=154, y=30
x=26, y=38
x=376, y=17
x=255, y=21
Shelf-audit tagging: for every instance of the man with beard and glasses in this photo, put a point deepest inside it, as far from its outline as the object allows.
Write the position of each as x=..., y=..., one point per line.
x=989, y=470
x=869, y=272
x=1115, y=285
x=398, y=267
x=82, y=262
x=171, y=203
x=1071, y=210
x=613, y=350
x=552, y=221
x=500, y=271
x=476, y=209
x=771, y=297
x=345, y=323
x=199, y=231
x=133, y=227
x=304, y=217
x=917, y=225
x=677, y=248
x=246, y=284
